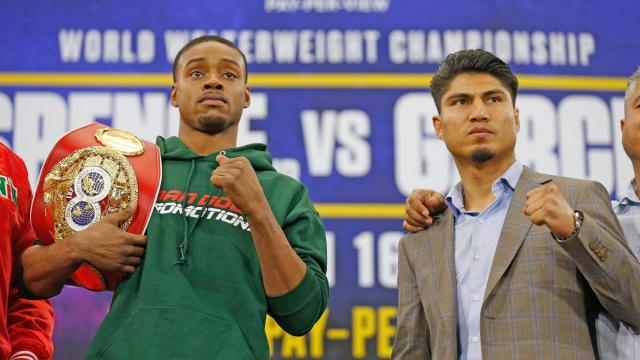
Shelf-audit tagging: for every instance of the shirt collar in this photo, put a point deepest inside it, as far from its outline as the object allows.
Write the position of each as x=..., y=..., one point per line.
x=630, y=197
x=509, y=179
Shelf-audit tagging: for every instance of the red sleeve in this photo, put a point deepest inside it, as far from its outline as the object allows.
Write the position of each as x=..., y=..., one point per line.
x=30, y=325
x=29, y=322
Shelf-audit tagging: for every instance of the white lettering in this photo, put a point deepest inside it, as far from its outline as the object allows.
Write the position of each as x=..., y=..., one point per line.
x=319, y=133
x=421, y=159
x=388, y=258
x=92, y=46
x=88, y=107
x=353, y=157
x=585, y=130
x=537, y=137
x=70, y=43
x=259, y=110
x=624, y=170
x=143, y=117
x=587, y=46
x=397, y=47
x=40, y=117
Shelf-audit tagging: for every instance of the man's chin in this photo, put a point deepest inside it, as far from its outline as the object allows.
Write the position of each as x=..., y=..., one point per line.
x=481, y=156
x=213, y=125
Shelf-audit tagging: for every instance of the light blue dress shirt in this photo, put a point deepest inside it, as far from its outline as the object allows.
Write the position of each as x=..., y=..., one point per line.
x=476, y=239
x=615, y=339
x=628, y=211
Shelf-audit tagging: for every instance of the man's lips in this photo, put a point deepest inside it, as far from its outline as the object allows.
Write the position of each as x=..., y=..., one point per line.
x=480, y=131
x=213, y=99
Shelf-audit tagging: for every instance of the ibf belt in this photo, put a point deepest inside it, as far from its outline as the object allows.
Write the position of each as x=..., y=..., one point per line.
x=92, y=172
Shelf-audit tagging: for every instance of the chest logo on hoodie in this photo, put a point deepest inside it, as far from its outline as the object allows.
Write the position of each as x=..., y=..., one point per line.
x=8, y=190
x=205, y=206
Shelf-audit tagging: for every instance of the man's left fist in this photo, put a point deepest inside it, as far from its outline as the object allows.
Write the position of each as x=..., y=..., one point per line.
x=547, y=206
x=238, y=179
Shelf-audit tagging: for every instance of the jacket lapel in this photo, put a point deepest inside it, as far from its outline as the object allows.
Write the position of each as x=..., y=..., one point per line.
x=515, y=228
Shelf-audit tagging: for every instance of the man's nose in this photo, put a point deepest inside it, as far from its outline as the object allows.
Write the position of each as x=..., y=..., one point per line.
x=213, y=83
x=479, y=111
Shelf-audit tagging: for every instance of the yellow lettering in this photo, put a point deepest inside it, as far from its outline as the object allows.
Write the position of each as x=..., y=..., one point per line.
x=363, y=322
x=273, y=331
x=367, y=323
x=316, y=337
x=294, y=346
x=386, y=331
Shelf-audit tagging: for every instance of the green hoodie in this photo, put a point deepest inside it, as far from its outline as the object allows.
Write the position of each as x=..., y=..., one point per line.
x=198, y=293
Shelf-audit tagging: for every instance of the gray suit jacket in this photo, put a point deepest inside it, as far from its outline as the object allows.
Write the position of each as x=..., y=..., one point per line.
x=540, y=292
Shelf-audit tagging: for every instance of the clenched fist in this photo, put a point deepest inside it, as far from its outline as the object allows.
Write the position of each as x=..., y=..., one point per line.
x=238, y=179
x=420, y=207
x=547, y=206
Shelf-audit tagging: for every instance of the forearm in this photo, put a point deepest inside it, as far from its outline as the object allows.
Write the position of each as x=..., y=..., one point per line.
x=604, y=259
x=303, y=297
x=282, y=268
x=47, y=268
x=614, y=276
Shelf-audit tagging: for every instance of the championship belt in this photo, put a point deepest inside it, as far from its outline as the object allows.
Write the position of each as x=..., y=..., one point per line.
x=91, y=172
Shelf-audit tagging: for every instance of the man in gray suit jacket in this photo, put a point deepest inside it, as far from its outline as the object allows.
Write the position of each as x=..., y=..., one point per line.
x=519, y=259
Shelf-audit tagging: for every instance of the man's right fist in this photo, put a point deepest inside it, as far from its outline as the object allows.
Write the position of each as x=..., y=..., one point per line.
x=420, y=206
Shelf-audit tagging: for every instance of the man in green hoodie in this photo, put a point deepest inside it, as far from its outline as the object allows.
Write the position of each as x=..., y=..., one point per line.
x=230, y=240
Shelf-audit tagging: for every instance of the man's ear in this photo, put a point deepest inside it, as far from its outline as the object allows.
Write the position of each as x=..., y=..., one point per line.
x=174, y=95
x=247, y=98
x=621, y=124
x=516, y=112
x=437, y=125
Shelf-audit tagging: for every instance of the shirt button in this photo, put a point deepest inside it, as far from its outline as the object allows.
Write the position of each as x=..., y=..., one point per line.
x=474, y=339
x=476, y=297
x=476, y=256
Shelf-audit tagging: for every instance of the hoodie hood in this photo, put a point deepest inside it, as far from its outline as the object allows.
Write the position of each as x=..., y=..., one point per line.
x=174, y=149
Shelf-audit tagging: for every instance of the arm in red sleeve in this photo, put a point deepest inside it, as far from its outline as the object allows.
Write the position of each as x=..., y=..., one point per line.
x=29, y=322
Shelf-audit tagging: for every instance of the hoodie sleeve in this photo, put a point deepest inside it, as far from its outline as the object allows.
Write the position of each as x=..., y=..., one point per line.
x=298, y=310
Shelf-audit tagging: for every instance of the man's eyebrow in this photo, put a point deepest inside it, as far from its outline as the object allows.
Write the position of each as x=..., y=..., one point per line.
x=194, y=60
x=231, y=61
x=494, y=92
x=457, y=95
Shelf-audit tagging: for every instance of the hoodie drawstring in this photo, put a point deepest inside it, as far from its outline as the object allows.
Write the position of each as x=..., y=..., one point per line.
x=184, y=245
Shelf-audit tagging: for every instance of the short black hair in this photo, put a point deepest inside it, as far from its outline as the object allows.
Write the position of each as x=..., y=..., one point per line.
x=472, y=61
x=208, y=38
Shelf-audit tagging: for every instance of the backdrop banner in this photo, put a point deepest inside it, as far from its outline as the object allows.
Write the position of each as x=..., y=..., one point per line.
x=340, y=93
